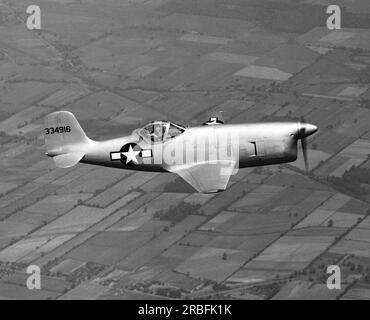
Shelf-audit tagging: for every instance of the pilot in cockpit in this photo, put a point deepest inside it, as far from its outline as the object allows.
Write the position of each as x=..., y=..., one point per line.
x=160, y=131
x=157, y=132
x=157, y=135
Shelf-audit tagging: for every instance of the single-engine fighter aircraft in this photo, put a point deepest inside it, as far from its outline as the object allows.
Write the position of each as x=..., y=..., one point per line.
x=205, y=156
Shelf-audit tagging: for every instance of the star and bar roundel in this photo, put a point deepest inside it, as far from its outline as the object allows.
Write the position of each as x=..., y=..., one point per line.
x=130, y=155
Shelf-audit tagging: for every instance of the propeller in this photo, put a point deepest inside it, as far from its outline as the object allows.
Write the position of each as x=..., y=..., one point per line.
x=305, y=130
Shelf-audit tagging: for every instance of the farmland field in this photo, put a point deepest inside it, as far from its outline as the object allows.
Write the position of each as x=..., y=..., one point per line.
x=107, y=233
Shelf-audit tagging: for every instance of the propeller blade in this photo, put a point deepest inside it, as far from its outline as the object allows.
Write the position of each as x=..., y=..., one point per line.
x=304, y=151
x=302, y=134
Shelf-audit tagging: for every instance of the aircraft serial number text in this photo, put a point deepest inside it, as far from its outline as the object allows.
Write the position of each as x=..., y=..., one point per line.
x=57, y=130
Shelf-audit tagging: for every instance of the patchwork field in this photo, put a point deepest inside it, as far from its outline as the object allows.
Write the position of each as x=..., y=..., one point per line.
x=290, y=253
x=301, y=290
x=103, y=233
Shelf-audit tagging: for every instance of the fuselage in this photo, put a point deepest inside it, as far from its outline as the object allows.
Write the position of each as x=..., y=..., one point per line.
x=250, y=145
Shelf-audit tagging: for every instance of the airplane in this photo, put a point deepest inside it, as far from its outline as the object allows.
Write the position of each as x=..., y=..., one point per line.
x=204, y=156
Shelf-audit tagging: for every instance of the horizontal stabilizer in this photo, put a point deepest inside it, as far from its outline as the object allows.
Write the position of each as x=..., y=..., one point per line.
x=68, y=160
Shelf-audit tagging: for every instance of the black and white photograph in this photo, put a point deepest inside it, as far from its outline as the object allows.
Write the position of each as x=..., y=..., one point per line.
x=198, y=150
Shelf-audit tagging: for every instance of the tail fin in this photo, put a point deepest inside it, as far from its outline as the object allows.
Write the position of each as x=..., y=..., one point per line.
x=64, y=138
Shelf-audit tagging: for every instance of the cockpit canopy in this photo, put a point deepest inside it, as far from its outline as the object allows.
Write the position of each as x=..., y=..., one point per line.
x=159, y=131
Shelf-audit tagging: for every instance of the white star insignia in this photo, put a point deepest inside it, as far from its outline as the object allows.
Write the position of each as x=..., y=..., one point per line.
x=131, y=155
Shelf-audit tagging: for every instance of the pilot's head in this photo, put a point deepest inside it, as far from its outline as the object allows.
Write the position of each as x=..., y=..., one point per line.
x=158, y=130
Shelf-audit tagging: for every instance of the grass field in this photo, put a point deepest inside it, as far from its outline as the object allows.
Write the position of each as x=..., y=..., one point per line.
x=285, y=17
x=66, y=95
x=254, y=60
x=254, y=276
x=97, y=180
x=100, y=105
x=262, y=72
x=60, y=204
x=110, y=247
x=291, y=252
x=22, y=118
x=130, y=181
x=67, y=266
x=218, y=220
x=208, y=263
x=259, y=196
x=160, y=243
x=357, y=248
x=145, y=213
x=303, y=290
x=15, y=97
x=30, y=248
x=11, y=291
x=75, y=221
x=48, y=283
x=357, y=294
x=86, y=291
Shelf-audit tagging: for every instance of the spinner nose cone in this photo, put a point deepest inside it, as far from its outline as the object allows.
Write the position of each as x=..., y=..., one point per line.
x=310, y=129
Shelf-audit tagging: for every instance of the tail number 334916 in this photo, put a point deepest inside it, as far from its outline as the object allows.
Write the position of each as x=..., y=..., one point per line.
x=53, y=130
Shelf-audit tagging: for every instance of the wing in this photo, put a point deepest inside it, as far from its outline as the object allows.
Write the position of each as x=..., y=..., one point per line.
x=207, y=177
